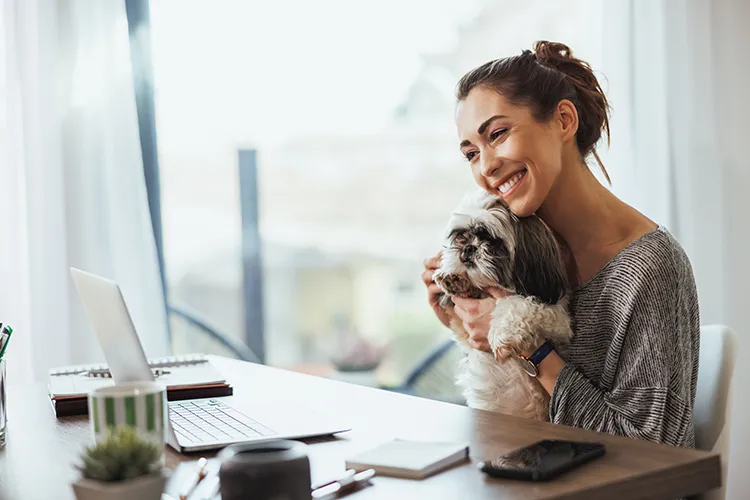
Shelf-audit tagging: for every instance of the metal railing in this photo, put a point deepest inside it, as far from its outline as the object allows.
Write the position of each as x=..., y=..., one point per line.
x=197, y=320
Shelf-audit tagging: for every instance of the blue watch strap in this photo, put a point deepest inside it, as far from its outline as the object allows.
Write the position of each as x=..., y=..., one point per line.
x=541, y=353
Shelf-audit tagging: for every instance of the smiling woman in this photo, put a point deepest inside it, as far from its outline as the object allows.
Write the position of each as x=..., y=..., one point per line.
x=521, y=93
x=527, y=125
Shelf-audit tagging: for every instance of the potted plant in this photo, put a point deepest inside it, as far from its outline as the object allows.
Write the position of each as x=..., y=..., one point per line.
x=354, y=357
x=123, y=466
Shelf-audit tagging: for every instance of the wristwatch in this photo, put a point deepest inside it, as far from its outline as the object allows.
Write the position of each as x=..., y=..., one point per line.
x=531, y=363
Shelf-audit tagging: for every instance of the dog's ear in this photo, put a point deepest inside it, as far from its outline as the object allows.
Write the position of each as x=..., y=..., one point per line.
x=539, y=269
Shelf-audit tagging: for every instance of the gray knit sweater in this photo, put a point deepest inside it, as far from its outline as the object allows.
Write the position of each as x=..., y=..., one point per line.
x=632, y=365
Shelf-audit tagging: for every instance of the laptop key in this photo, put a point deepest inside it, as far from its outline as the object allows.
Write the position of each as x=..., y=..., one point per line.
x=212, y=420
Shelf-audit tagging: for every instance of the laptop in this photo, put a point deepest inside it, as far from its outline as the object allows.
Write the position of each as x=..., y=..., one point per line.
x=195, y=424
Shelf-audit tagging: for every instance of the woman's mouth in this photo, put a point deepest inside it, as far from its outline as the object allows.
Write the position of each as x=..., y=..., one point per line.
x=511, y=184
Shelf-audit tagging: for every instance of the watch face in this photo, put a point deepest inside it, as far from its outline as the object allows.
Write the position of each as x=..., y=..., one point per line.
x=529, y=367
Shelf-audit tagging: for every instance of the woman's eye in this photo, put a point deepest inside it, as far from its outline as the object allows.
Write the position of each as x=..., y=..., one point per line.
x=470, y=155
x=497, y=133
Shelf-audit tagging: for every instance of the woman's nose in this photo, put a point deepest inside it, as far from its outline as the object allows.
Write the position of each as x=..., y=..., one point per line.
x=489, y=165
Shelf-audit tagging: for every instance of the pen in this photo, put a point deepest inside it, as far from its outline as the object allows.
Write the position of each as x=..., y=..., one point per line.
x=349, y=473
x=5, y=333
x=345, y=485
x=201, y=474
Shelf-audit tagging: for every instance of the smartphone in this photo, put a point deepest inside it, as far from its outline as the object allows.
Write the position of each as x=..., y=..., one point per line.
x=542, y=460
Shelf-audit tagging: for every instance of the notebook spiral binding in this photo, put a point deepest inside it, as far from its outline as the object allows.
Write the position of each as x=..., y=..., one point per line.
x=158, y=365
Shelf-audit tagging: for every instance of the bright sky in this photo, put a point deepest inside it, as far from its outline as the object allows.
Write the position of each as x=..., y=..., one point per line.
x=250, y=70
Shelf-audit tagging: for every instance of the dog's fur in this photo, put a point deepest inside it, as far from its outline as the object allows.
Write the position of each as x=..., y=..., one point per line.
x=486, y=246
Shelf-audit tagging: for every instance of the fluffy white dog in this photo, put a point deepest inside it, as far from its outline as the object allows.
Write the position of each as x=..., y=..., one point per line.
x=486, y=246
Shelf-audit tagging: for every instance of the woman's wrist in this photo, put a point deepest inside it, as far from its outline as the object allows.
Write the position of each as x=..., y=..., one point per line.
x=549, y=369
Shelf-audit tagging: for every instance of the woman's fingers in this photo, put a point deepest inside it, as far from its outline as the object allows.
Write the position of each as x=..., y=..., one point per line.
x=499, y=293
x=477, y=327
x=435, y=293
x=433, y=262
x=475, y=307
x=468, y=306
x=427, y=277
x=481, y=345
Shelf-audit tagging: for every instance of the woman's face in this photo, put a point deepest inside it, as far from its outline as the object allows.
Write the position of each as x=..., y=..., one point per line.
x=511, y=154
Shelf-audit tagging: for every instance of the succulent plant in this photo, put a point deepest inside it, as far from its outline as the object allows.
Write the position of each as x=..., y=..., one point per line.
x=121, y=456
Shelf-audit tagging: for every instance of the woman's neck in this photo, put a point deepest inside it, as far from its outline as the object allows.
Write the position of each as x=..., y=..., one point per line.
x=594, y=224
x=578, y=208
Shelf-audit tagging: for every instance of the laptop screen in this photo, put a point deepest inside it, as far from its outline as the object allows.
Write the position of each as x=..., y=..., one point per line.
x=113, y=326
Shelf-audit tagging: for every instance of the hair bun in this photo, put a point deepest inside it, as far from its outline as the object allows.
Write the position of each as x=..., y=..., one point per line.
x=552, y=53
x=541, y=78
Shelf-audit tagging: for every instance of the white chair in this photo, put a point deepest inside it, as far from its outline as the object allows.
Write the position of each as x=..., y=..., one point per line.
x=713, y=397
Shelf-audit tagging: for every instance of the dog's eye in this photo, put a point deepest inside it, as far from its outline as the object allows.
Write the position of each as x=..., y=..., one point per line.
x=458, y=237
x=499, y=248
x=482, y=233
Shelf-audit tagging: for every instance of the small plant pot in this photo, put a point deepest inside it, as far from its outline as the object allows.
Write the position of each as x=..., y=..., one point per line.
x=142, y=488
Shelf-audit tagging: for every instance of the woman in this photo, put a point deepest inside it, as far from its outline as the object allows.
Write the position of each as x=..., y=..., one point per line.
x=526, y=126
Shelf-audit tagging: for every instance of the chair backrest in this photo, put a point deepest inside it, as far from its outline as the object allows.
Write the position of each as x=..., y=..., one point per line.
x=712, y=411
x=434, y=376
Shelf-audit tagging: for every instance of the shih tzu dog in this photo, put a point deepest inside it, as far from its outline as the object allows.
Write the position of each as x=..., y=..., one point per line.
x=486, y=246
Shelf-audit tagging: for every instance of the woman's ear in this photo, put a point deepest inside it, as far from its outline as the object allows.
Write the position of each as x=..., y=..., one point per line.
x=567, y=117
x=539, y=270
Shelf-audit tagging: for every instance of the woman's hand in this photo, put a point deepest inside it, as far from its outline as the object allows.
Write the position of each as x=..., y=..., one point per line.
x=476, y=315
x=434, y=292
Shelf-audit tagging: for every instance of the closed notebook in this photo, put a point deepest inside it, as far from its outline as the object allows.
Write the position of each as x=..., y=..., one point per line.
x=190, y=376
x=409, y=459
x=194, y=370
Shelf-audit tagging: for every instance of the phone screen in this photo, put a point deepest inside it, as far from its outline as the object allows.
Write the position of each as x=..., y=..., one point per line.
x=545, y=457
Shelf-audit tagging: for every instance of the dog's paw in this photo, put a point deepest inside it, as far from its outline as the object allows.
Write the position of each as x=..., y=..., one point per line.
x=505, y=351
x=517, y=323
x=508, y=348
x=452, y=283
x=457, y=285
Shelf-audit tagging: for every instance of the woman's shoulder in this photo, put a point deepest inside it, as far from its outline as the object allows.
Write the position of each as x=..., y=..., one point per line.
x=650, y=279
x=655, y=252
x=654, y=260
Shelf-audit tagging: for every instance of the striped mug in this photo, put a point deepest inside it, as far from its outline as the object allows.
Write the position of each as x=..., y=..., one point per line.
x=142, y=405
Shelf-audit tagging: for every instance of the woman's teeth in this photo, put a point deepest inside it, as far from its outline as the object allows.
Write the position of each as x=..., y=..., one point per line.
x=504, y=188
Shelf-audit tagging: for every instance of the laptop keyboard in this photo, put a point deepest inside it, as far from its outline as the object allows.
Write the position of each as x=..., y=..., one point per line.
x=209, y=420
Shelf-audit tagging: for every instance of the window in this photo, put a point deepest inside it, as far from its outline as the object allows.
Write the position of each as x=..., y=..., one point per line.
x=344, y=114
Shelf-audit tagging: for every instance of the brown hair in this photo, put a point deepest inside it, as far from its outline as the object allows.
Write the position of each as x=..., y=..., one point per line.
x=540, y=80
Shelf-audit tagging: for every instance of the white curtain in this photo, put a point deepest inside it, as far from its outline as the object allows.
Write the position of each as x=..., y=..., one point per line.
x=678, y=75
x=72, y=189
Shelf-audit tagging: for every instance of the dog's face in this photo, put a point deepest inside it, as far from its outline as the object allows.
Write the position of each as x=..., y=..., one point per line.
x=486, y=246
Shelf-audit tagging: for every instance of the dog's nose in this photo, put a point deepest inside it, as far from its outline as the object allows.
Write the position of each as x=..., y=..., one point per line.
x=468, y=253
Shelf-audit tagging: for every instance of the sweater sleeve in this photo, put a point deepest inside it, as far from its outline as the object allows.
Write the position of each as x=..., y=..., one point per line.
x=652, y=351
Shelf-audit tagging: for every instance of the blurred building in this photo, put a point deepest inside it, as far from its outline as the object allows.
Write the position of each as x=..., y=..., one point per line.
x=346, y=219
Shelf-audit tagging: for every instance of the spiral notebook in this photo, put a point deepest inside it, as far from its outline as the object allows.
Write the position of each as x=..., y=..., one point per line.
x=186, y=377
